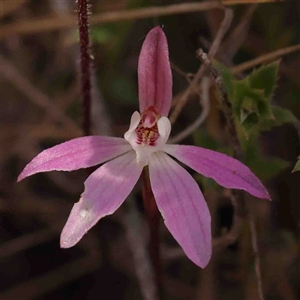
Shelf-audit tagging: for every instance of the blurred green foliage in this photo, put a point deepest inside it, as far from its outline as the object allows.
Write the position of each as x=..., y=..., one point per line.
x=253, y=113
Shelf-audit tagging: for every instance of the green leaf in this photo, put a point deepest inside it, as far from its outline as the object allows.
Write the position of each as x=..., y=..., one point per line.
x=241, y=88
x=227, y=78
x=251, y=100
x=265, y=78
x=249, y=106
x=297, y=165
x=249, y=124
x=281, y=116
x=268, y=167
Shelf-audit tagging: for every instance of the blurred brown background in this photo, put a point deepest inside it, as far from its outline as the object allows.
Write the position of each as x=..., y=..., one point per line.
x=41, y=106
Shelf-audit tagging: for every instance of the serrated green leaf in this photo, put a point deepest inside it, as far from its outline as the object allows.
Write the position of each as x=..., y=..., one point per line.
x=265, y=78
x=227, y=78
x=297, y=165
x=281, y=116
x=251, y=100
x=240, y=89
x=249, y=124
x=263, y=107
x=244, y=114
x=250, y=106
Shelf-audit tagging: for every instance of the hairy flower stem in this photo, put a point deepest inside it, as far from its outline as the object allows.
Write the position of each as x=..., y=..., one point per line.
x=153, y=218
x=83, y=26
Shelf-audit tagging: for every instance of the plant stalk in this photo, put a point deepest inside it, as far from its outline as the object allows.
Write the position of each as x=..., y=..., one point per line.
x=83, y=26
x=153, y=219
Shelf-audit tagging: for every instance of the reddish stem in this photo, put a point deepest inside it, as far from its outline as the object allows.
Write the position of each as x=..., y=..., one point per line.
x=153, y=218
x=83, y=26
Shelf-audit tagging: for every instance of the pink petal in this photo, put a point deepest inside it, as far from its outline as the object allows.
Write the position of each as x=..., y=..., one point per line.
x=225, y=170
x=182, y=206
x=154, y=73
x=105, y=190
x=75, y=154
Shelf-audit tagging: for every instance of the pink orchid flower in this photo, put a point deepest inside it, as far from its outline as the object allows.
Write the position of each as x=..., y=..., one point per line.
x=178, y=196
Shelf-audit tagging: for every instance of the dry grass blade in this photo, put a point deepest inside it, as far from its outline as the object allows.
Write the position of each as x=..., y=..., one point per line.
x=264, y=59
x=10, y=73
x=235, y=144
x=230, y=237
x=133, y=225
x=212, y=52
x=205, y=104
x=43, y=284
x=238, y=34
x=51, y=23
x=233, y=2
x=255, y=248
x=9, y=6
x=25, y=242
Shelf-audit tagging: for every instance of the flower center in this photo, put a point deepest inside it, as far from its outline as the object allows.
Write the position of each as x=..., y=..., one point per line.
x=147, y=130
x=148, y=133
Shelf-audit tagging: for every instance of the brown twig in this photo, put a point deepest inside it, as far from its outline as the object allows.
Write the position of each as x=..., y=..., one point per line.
x=212, y=52
x=233, y=2
x=101, y=119
x=234, y=141
x=83, y=26
x=233, y=234
x=264, y=59
x=51, y=23
x=225, y=103
x=187, y=76
x=8, y=7
x=10, y=72
x=137, y=241
x=255, y=249
x=236, y=38
x=25, y=241
x=205, y=104
x=40, y=285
